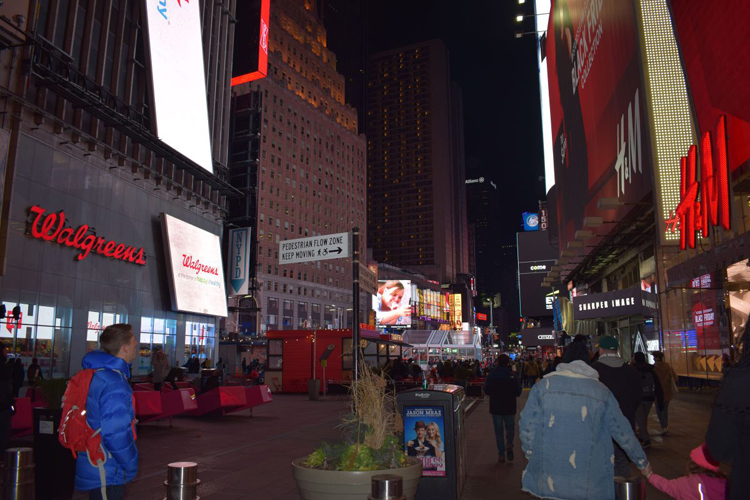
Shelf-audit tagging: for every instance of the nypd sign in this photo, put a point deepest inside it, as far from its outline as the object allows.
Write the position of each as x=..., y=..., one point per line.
x=239, y=261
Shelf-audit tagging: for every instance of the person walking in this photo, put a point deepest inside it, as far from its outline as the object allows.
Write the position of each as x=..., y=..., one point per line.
x=652, y=392
x=668, y=381
x=503, y=388
x=109, y=408
x=566, y=430
x=531, y=372
x=6, y=400
x=160, y=363
x=625, y=383
x=728, y=434
x=17, y=376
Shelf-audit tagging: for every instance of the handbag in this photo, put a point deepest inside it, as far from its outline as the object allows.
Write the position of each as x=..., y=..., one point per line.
x=675, y=389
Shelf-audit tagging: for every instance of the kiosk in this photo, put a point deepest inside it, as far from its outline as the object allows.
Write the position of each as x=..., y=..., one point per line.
x=437, y=411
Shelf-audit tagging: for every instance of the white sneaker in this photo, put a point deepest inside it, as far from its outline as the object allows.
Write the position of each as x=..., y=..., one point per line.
x=664, y=430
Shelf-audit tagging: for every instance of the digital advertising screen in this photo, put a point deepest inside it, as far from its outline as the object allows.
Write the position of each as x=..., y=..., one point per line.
x=178, y=78
x=195, y=268
x=709, y=36
x=251, y=41
x=424, y=428
x=597, y=111
x=392, y=304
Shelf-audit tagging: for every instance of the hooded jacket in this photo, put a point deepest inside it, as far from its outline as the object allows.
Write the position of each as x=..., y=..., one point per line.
x=624, y=382
x=109, y=407
x=503, y=387
x=566, y=430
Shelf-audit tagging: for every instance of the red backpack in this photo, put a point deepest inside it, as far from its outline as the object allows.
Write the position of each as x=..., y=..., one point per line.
x=75, y=433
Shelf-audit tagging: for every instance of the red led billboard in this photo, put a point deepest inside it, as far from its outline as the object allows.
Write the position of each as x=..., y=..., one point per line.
x=597, y=108
x=713, y=44
x=251, y=44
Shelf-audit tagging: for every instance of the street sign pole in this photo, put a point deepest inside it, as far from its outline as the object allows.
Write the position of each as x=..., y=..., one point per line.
x=355, y=299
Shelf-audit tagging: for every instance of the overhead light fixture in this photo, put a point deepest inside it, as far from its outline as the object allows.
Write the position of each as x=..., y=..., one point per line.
x=567, y=254
x=608, y=203
x=583, y=234
x=519, y=18
x=593, y=221
x=575, y=244
x=521, y=2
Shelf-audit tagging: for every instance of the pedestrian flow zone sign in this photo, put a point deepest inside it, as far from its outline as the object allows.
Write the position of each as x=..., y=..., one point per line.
x=323, y=247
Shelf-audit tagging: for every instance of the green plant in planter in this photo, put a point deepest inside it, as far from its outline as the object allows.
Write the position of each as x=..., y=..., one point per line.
x=52, y=391
x=371, y=432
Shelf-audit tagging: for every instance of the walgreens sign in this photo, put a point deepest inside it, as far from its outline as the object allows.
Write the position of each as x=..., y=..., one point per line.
x=53, y=227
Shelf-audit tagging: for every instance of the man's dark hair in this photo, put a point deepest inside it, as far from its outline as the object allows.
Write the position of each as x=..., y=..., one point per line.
x=576, y=351
x=640, y=358
x=114, y=337
x=503, y=360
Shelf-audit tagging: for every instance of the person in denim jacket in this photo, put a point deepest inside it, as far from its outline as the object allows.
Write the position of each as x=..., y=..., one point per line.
x=566, y=430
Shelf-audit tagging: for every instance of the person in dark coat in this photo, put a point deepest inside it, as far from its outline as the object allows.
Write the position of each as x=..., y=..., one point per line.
x=503, y=387
x=6, y=401
x=728, y=435
x=18, y=376
x=652, y=392
x=625, y=383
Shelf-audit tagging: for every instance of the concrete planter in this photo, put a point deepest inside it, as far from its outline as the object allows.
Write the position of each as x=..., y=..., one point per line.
x=316, y=484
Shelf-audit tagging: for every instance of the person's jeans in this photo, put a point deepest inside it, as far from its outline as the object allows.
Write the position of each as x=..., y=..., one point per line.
x=509, y=421
x=663, y=415
x=113, y=493
x=641, y=417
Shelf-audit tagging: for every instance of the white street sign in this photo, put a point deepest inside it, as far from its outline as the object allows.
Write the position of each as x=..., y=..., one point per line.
x=323, y=247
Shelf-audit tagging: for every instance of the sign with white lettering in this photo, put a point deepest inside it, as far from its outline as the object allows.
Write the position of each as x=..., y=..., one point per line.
x=239, y=261
x=618, y=303
x=538, y=336
x=322, y=247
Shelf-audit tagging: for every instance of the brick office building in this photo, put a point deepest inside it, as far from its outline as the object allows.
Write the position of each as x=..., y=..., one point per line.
x=298, y=158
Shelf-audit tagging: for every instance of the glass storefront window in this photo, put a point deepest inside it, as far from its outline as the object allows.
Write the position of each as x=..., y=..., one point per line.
x=200, y=340
x=40, y=332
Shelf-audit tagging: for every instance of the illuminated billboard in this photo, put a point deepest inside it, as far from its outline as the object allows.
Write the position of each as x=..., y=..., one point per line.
x=251, y=41
x=178, y=78
x=392, y=304
x=597, y=111
x=195, y=268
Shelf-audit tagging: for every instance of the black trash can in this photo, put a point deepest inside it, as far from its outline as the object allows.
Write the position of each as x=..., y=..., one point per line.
x=55, y=465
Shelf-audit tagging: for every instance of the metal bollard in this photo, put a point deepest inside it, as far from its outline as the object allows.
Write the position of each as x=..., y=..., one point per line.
x=632, y=488
x=387, y=487
x=182, y=481
x=18, y=480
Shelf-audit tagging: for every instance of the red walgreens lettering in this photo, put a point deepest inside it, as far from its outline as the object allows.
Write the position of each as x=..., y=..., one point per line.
x=187, y=261
x=51, y=228
x=693, y=215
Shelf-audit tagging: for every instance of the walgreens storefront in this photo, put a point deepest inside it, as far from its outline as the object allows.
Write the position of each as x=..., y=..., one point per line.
x=85, y=249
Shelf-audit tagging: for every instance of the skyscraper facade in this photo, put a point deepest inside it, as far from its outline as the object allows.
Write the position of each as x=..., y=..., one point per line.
x=347, y=31
x=301, y=164
x=415, y=157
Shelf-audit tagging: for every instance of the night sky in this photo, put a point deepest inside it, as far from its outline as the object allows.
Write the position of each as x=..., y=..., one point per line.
x=498, y=75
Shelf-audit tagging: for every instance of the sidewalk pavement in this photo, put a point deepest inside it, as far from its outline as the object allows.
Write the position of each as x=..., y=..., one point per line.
x=489, y=480
x=244, y=456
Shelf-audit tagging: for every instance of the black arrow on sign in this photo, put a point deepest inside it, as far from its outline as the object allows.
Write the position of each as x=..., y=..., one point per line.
x=338, y=250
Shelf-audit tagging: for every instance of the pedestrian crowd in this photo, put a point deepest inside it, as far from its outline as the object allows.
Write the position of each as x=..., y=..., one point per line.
x=586, y=420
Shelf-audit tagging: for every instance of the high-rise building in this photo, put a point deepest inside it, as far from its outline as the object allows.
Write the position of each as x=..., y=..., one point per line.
x=297, y=157
x=496, y=266
x=415, y=153
x=347, y=33
x=80, y=150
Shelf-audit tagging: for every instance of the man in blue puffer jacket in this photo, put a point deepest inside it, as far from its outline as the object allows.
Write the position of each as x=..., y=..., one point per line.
x=109, y=407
